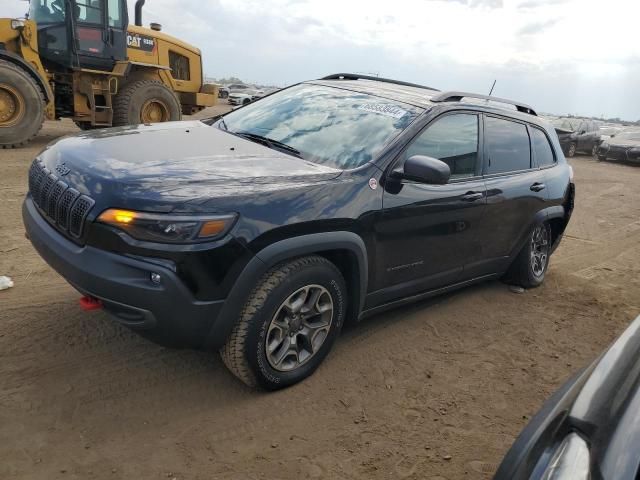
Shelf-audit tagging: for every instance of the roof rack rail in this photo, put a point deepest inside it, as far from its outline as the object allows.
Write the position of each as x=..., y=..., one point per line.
x=458, y=96
x=356, y=76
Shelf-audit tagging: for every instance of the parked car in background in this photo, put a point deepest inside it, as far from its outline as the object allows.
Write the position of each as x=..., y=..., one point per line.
x=624, y=147
x=223, y=92
x=238, y=98
x=577, y=135
x=260, y=232
x=590, y=428
x=239, y=88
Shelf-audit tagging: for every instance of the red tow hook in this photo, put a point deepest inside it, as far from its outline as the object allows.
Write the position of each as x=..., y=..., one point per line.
x=90, y=303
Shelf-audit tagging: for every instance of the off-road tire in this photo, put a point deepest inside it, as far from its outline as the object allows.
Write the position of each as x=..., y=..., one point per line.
x=128, y=104
x=32, y=96
x=244, y=352
x=521, y=271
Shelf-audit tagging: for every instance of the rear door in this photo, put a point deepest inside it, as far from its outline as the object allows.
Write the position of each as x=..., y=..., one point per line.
x=427, y=232
x=516, y=191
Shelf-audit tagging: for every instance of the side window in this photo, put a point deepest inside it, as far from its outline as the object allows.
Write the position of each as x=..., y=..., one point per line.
x=507, y=145
x=89, y=11
x=452, y=139
x=542, y=148
x=115, y=13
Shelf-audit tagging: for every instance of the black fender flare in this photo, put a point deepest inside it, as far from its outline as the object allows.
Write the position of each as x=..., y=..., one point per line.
x=276, y=253
x=555, y=211
x=20, y=62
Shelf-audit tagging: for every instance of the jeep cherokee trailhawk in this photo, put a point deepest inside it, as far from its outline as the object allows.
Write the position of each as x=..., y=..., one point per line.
x=261, y=232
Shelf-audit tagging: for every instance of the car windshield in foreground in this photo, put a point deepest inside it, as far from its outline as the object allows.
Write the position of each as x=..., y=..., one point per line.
x=330, y=126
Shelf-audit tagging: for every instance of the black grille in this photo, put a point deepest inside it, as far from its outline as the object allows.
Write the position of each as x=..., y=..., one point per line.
x=63, y=206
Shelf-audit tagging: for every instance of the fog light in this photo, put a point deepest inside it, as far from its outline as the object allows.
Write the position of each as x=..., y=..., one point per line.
x=156, y=278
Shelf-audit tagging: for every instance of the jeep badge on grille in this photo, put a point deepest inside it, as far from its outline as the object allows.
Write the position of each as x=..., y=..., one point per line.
x=62, y=170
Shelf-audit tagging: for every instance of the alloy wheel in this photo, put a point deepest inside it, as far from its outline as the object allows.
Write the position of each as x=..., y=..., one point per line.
x=539, y=250
x=299, y=328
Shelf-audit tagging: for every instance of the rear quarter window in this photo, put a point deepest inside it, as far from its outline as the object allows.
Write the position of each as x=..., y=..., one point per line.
x=507, y=145
x=542, y=148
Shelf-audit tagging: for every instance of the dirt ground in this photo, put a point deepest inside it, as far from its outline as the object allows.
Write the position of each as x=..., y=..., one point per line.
x=437, y=390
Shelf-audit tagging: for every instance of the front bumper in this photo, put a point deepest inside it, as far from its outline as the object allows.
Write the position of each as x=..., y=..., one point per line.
x=167, y=313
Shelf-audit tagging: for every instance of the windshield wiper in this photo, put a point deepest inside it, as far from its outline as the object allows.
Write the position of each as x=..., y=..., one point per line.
x=269, y=142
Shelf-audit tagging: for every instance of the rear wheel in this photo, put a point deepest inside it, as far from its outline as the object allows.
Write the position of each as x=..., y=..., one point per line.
x=571, y=152
x=530, y=266
x=288, y=324
x=145, y=101
x=594, y=151
x=602, y=158
x=246, y=101
x=21, y=106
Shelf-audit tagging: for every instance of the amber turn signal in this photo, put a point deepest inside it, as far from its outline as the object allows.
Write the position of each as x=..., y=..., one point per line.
x=212, y=228
x=114, y=215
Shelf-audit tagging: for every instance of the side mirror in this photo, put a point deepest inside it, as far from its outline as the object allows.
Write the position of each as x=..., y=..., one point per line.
x=421, y=168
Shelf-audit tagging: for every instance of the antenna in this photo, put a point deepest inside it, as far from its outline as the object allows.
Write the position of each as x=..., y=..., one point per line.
x=492, y=87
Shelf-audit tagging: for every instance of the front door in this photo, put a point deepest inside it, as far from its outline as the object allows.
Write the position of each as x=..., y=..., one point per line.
x=427, y=232
x=100, y=33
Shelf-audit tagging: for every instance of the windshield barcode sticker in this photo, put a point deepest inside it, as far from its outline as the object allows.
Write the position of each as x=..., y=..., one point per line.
x=383, y=109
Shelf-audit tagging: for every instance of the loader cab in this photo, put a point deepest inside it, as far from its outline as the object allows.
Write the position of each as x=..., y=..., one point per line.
x=87, y=34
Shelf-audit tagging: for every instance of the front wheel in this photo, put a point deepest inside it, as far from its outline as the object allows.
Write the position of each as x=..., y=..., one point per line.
x=288, y=324
x=22, y=106
x=530, y=266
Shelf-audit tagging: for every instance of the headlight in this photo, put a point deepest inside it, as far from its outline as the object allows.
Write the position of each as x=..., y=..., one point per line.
x=570, y=461
x=164, y=228
x=17, y=24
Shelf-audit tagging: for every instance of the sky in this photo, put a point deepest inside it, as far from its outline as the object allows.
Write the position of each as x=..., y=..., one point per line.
x=579, y=57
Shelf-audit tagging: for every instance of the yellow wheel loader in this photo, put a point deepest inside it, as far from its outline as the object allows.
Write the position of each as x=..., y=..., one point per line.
x=82, y=60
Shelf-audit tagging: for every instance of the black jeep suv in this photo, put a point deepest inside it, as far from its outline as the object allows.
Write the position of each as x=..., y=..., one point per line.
x=259, y=233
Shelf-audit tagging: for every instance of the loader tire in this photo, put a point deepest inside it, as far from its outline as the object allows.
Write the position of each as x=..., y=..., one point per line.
x=145, y=101
x=22, y=106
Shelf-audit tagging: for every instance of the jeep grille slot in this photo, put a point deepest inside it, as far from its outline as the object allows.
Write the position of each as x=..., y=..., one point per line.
x=64, y=207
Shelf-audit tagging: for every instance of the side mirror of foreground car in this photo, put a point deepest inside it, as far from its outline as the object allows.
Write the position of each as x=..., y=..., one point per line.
x=421, y=168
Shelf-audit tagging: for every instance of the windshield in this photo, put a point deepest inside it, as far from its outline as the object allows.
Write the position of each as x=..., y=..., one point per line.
x=329, y=126
x=47, y=11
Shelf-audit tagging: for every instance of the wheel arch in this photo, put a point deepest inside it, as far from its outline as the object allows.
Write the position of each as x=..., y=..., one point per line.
x=344, y=249
x=30, y=69
x=554, y=215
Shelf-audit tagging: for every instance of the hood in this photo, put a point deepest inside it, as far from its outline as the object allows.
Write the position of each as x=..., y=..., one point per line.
x=164, y=166
x=623, y=142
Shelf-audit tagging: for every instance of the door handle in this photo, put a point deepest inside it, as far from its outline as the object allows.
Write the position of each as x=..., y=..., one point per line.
x=472, y=196
x=536, y=187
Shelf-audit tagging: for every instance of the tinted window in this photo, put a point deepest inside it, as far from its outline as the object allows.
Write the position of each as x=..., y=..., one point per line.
x=507, y=146
x=88, y=11
x=330, y=126
x=452, y=139
x=542, y=148
x=115, y=13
